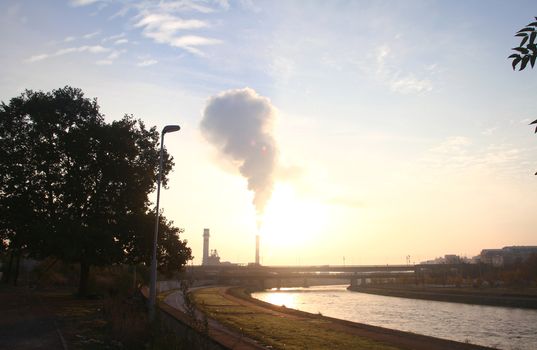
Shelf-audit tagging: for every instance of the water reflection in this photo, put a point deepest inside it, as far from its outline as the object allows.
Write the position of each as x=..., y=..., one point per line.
x=281, y=298
x=499, y=327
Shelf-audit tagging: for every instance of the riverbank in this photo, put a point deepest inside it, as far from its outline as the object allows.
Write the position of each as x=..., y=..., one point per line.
x=284, y=328
x=523, y=298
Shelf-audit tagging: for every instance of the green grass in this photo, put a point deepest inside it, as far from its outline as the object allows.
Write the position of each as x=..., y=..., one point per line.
x=278, y=331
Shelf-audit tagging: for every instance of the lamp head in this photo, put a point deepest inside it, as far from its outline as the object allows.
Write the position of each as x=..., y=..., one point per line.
x=170, y=128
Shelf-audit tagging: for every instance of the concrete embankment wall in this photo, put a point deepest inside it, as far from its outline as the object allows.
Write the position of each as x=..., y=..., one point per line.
x=180, y=331
x=164, y=286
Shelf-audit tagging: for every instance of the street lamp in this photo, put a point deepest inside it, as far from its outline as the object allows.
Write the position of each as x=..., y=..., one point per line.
x=153, y=282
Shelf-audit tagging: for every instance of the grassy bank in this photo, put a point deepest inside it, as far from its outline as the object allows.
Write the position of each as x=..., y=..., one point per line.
x=506, y=297
x=271, y=328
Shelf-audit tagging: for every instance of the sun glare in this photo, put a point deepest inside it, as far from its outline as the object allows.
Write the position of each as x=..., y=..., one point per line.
x=291, y=220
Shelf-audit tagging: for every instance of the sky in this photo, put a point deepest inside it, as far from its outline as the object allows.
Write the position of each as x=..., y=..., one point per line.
x=395, y=128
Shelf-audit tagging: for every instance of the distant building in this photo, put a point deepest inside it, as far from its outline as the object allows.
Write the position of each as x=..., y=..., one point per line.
x=491, y=257
x=474, y=260
x=450, y=259
x=212, y=257
x=518, y=253
x=495, y=257
x=507, y=255
x=436, y=261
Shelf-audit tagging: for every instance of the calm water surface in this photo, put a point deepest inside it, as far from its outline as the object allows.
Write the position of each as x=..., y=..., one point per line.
x=499, y=327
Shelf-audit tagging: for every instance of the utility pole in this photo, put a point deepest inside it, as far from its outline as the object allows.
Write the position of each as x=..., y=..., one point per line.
x=153, y=271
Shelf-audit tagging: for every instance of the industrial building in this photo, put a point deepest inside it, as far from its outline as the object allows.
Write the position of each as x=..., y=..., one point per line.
x=210, y=256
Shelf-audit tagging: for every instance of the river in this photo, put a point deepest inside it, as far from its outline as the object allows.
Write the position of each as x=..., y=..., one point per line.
x=498, y=327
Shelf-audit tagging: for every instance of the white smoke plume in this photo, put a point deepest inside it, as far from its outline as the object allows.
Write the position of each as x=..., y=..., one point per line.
x=239, y=123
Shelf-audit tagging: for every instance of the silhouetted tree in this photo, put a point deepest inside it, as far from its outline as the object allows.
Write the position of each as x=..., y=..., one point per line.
x=70, y=182
x=173, y=253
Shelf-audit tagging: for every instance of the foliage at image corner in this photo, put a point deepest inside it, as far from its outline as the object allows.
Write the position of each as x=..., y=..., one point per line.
x=75, y=187
x=526, y=51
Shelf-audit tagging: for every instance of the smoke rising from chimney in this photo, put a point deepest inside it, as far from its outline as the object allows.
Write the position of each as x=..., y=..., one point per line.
x=239, y=124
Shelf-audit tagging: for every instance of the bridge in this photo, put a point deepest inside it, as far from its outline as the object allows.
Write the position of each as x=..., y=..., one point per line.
x=259, y=275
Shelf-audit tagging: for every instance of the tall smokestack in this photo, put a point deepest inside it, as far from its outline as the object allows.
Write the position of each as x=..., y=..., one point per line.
x=205, y=246
x=257, y=249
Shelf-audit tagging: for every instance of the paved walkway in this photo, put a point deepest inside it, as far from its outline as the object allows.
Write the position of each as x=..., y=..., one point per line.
x=25, y=322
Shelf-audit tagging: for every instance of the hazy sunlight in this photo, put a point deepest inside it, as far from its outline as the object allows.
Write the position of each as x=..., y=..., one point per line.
x=291, y=220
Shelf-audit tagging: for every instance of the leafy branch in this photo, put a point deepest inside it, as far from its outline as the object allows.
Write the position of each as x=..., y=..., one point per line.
x=527, y=50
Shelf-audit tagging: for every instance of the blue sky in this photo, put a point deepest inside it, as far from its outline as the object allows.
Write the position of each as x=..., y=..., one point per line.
x=397, y=121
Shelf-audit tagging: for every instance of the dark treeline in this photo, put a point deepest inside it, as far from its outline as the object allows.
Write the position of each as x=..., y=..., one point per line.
x=75, y=187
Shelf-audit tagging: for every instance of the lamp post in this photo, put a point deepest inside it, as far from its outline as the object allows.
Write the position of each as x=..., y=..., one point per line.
x=153, y=282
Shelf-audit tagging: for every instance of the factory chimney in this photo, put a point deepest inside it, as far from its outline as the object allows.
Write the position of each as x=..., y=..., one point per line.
x=205, y=246
x=257, y=250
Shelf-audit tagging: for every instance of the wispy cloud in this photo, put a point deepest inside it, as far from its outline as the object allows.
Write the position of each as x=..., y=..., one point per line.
x=489, y=131
x=162, y=25
x=95, y=49
x=398, y=80
x=410, y=84
x=181, y=6
x=91, y=35
x=77, y=3
x=169, y=24
x=193, y=40
x=453, y=145
x=460, y=153
x=146, y=63
x=115, y=54
x=113, y=37
x=166, y=21
x=36, y=58
x=121, y=41
x=110, y=58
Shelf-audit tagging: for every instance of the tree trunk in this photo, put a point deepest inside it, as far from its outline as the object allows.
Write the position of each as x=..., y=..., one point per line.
x=17, y=268
x=7, y=270
x=84, y=274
